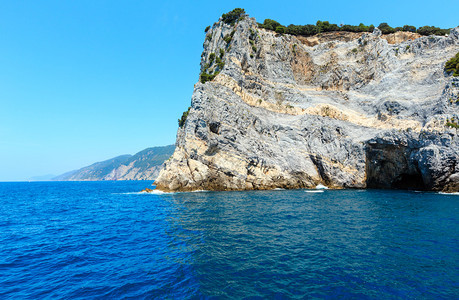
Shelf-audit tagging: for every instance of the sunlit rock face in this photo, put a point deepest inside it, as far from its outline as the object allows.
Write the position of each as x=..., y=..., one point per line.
x=341, y=109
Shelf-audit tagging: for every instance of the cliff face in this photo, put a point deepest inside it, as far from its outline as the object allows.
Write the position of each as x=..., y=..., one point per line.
x=144, y=165
x=341, y=109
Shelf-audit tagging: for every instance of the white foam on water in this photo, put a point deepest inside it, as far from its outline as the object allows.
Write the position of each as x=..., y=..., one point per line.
x=314, y=191
x=321, y=187
x=198, y=191
x=153, y=192
x=158, y=192
x=453, y=194
x=278, y=189
x=130, y=193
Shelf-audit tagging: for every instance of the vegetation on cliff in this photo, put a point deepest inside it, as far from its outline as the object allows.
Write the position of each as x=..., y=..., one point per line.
x=238, y=14
x=209, y=72
x=227, y=38
x=452, y=123
x=182, y=120
x=325, y=26
x=429, y=30
x=204, y=77
x=233, y=16
x=452, y=65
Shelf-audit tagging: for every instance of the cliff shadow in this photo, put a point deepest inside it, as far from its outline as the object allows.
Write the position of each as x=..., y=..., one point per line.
x=389, y=166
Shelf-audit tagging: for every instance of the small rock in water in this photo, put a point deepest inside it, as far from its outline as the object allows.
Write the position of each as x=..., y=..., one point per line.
x=146, y=190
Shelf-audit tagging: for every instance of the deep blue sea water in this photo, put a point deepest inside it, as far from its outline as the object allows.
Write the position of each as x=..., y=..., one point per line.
x=102, y=240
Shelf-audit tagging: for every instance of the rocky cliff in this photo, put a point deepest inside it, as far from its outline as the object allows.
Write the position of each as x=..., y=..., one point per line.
x=144, y=165
x=346, y=110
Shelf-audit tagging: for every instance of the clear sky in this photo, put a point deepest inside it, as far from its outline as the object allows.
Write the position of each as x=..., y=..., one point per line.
x=84, y=81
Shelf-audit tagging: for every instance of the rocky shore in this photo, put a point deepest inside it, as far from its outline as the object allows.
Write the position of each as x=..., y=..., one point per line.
x=344, y=110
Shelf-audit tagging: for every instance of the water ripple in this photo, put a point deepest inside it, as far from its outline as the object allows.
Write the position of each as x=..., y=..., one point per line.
x=106, y=240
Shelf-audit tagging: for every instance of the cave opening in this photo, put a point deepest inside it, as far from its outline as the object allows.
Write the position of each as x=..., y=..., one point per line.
x=392, y=167
x=409, y=182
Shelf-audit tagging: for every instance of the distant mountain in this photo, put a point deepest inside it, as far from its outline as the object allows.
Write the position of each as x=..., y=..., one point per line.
x=144, y=165
x=46, y=177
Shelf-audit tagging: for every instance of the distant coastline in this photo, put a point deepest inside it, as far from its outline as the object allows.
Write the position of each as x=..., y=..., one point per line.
x=144, y=165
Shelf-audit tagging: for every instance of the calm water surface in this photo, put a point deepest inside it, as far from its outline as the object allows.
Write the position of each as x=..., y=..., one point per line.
x=103, y=240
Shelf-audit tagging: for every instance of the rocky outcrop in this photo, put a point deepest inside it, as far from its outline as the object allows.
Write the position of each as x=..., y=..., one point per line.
x=355, y=111
x=144, y=165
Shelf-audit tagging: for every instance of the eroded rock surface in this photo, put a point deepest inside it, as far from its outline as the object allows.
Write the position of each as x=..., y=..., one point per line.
x=286, y=112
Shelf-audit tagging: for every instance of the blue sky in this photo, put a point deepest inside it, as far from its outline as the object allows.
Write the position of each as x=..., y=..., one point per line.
x=84, y=81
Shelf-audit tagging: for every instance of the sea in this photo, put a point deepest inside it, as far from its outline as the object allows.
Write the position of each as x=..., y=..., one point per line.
x=105, y=240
